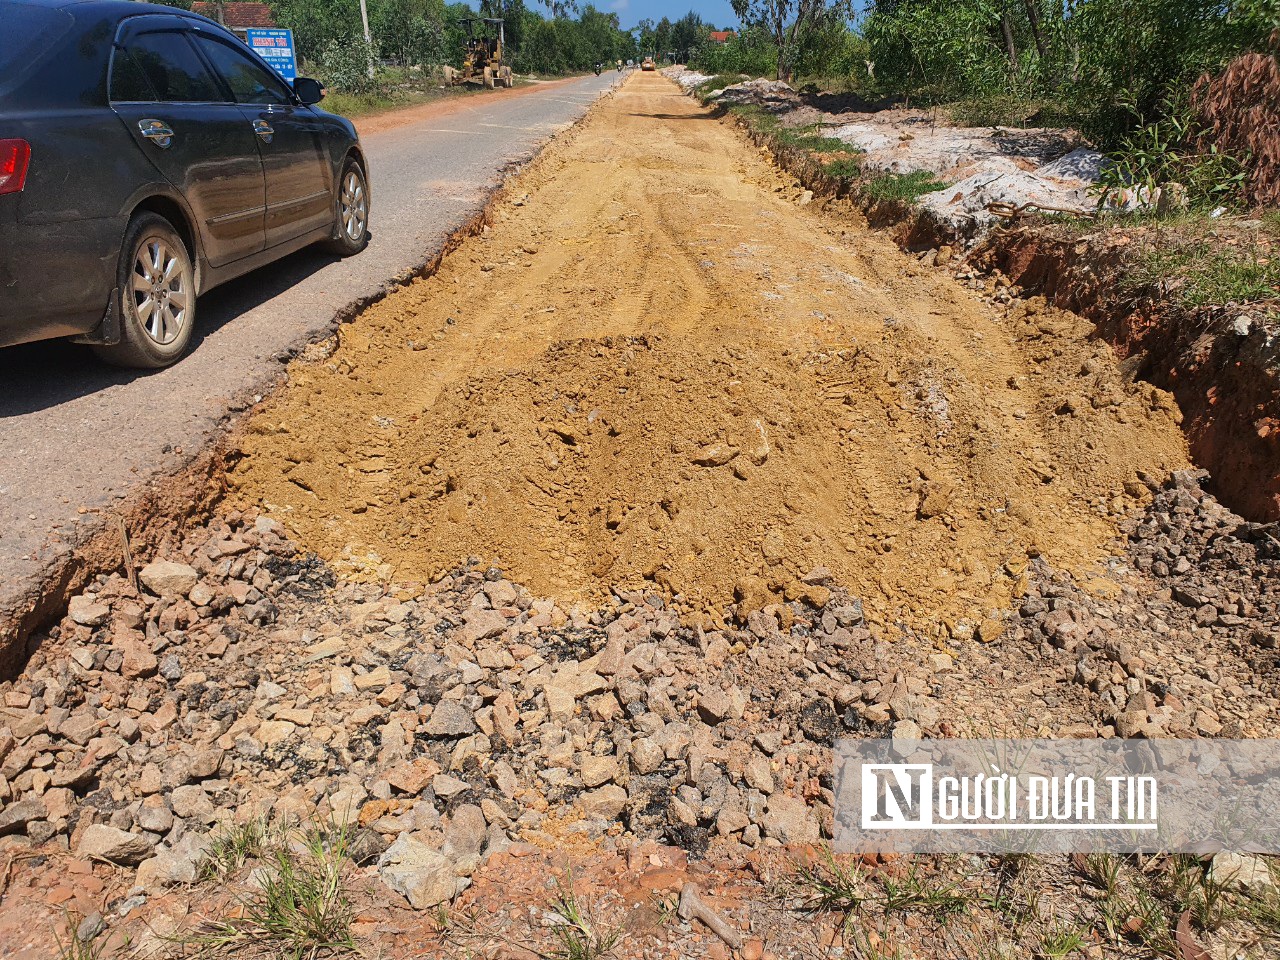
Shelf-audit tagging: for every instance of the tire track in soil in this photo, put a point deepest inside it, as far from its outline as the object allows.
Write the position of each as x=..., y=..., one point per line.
x=658, y=367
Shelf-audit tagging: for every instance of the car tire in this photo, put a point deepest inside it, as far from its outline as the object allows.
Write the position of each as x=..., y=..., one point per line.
x=157, y=296
x=351, y=211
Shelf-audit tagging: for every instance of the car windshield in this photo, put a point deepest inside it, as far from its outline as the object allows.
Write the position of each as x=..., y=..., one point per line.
x=30, y=34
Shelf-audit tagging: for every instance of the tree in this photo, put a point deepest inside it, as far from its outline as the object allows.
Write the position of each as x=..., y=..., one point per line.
x=789, y=23
x=686, y=34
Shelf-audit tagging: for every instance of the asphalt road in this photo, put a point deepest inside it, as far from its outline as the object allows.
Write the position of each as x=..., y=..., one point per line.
x=76, y=434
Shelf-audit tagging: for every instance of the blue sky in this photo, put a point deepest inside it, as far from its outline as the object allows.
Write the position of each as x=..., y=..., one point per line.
x=719, y=12
x=631, y=12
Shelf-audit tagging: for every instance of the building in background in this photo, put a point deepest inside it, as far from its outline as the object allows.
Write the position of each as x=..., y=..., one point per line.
x=236, y=17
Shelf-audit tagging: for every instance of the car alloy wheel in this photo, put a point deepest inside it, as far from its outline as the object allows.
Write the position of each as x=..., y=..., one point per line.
x=160, y=294
x=354, y=206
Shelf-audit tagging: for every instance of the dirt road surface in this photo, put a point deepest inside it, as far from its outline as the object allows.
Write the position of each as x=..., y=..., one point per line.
x=77, y=434
x=661, y=367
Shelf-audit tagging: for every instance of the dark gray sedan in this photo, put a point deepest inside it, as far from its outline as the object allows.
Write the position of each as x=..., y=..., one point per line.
x=146, y=156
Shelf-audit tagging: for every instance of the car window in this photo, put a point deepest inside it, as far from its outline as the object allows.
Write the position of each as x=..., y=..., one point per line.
x=249, y=81
x=28, y=32
x=29, y=35
x=176, y=74
x=128, y=83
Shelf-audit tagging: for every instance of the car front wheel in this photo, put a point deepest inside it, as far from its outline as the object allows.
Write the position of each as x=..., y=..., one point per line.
x=352, y=202
x=157, y=292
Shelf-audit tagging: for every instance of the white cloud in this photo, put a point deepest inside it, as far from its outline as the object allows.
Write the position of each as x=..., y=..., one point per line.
x=618, y=6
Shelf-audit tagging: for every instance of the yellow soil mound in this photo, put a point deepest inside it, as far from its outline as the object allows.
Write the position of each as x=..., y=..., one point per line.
x=659, y=367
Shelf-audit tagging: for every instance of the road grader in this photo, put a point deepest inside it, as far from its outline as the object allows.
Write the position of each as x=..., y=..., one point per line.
x=483, y=54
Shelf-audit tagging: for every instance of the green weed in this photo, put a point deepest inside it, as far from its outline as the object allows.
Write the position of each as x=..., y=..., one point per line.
x=1059, y=942
x=901, y=187
x=1210, y=272
x=73, y=948
x=809, y=138
x=578, y=936
x=843, y=168
x=828, y=886
x=232, y=847
x=920, y=892
x=303, y=906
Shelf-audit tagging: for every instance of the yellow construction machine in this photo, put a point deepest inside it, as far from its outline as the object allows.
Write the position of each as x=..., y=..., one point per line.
x=483, y=54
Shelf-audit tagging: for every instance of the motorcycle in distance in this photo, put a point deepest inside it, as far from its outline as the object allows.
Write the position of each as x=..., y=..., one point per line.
x=599, y=67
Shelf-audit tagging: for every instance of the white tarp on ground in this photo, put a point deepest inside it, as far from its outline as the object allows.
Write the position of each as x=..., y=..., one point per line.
x=688, y=79
x=964, y=204
x=983, y=165
x=773, y=95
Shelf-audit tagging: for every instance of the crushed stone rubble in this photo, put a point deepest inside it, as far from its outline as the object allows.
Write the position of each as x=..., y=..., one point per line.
x=241, y=679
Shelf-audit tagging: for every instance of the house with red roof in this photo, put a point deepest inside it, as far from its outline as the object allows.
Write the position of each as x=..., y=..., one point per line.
x=721, y=36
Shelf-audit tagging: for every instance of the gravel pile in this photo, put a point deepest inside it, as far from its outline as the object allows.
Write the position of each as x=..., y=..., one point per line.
x=239, y=679
x=1192, y=654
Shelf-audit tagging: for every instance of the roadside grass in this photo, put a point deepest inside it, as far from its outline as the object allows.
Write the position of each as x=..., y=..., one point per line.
x=1200, y=270
x=1191, y=257
x=302, y=907
x=847, y=169
x=396, y=96
x=74, y=948
x=234, y=846
x=580, y=937
x=902, y=187
x=1008, y=110
x=719, y=82
x=1060, y=941
x=1025, y=905
x=825, y=885
x=812, y=139
x=839, y=160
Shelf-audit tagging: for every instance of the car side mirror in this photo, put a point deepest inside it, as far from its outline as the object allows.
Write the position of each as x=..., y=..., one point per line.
x=308, y=91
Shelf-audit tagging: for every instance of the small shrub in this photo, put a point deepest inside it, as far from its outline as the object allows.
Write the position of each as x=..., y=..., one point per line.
x=1165, y=152
x=344, y=65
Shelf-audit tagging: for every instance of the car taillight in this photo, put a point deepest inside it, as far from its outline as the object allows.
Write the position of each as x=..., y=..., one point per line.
x=15, y=155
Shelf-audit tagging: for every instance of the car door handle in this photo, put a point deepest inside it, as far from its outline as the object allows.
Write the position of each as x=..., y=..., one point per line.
x=263, y=130
x=157, y=131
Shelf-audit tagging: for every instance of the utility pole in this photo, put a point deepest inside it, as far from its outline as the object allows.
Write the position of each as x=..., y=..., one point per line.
x=368, y=40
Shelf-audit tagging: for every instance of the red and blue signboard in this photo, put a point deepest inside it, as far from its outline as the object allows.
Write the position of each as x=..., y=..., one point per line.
x=276, y=47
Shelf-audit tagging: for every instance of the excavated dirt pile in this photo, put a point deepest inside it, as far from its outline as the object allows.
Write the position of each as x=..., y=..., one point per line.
x=678, y=375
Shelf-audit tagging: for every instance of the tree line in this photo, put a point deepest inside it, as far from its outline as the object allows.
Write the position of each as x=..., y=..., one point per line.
x=329, y=35
x=1106, y=65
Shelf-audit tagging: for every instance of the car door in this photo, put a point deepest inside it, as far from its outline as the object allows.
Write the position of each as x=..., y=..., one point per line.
x=298, y=171
x=182, y=119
